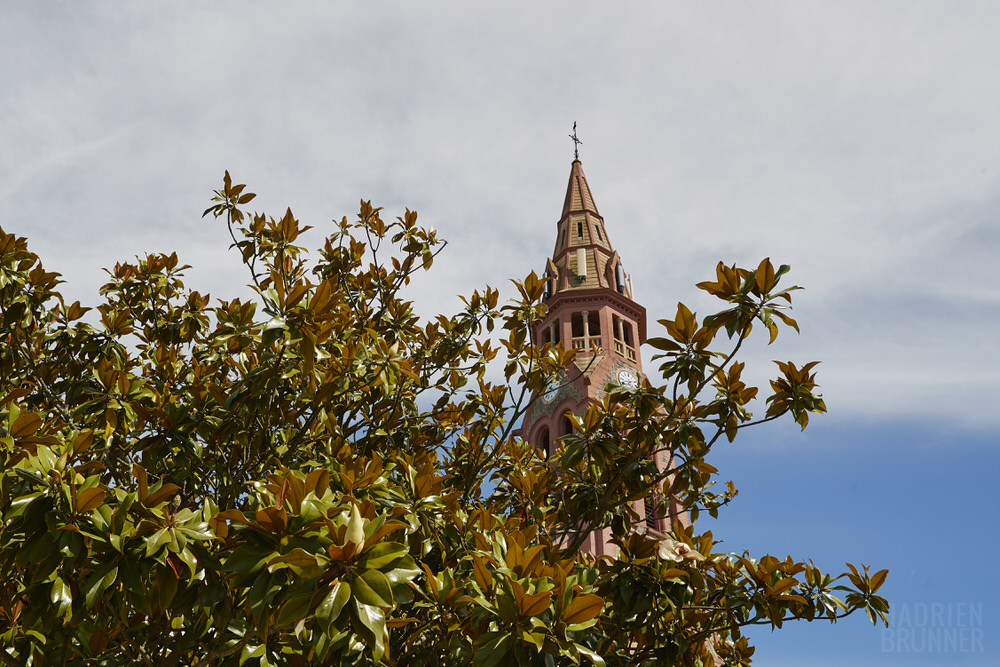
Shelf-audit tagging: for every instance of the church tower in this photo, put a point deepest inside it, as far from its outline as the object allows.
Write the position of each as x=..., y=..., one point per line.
x=591, y=309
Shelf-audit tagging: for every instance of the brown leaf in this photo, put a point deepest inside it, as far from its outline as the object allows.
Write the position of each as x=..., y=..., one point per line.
x=165, y=491
x=89, y=499
x=25, y=425
x=535, y=604
x=583, y=608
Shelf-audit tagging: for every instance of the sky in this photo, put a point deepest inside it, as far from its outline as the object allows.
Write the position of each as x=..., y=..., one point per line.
x=856, y=141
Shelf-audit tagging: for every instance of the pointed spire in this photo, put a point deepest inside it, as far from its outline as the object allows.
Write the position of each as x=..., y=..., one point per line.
x=582, y=249
x=583, y=257
x=578, y=197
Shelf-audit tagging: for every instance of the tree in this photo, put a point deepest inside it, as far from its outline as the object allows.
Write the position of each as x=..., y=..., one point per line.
x=318, y=476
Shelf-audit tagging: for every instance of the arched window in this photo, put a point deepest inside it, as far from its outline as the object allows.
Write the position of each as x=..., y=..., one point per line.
x=544, y=441
x=566, y=426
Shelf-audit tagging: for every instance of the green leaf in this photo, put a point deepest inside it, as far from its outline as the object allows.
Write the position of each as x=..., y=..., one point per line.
x=533, y=637
x=252, y=651
x=62, y=597
x=200, y=531
x=382, y=554
x=372, y=619
x=160, y=537
x=99, y=582
x=296, y=606
x=372, y=588
x=167, y=581
x=664, y=344
x=248, y=558
x=495, y=648
x=329, y=609
x=31, y=476
x=189, y=559
x=594, y=658
x=405, y=570
x=572, y=456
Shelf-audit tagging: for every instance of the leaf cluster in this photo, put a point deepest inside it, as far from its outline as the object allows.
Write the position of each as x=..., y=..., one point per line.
x=318, y=476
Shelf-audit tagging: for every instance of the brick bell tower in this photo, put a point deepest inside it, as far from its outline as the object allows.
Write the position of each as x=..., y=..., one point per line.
x=591, y=309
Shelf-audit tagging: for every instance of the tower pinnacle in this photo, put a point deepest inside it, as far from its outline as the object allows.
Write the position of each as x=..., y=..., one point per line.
x=576, y=143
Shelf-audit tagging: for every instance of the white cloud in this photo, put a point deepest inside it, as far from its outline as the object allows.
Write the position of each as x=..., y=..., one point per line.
x=856, y=142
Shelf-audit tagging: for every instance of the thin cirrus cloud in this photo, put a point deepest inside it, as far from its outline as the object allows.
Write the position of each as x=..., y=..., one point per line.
x=856, y=142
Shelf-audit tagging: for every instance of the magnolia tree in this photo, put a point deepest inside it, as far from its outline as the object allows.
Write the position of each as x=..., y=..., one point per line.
x=318, y=476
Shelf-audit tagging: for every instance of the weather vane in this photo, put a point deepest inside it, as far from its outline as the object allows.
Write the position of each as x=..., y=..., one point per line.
x=576, y=143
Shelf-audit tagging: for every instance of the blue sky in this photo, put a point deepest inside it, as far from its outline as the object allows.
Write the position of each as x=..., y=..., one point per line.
x=856, y=141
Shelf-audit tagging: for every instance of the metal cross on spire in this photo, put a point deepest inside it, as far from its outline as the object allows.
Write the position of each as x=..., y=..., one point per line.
x=576, y=143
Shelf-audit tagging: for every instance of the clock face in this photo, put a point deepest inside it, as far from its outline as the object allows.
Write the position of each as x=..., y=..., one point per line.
x=628, y=379
x=551, y=389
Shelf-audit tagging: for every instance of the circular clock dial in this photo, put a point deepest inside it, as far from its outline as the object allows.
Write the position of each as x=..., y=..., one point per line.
x=628, y=379
x=551, y=389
